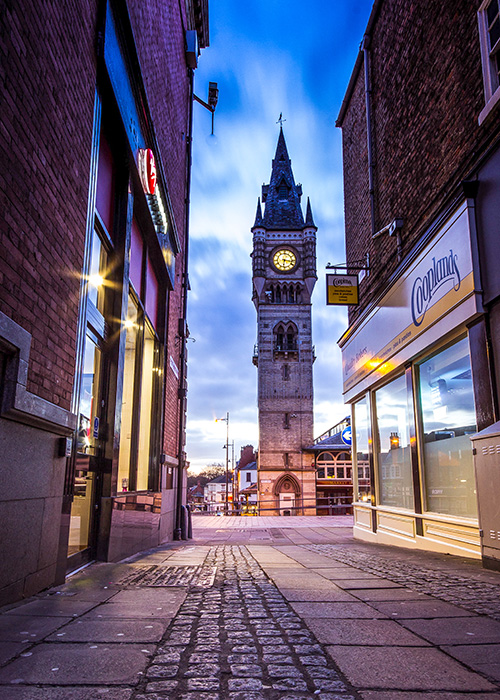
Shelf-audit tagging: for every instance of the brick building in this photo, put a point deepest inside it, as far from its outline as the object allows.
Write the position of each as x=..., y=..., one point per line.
x=284, y=275
x=421, y=356
x=95, y=133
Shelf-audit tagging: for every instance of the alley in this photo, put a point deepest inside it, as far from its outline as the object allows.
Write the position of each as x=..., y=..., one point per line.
x=257, y=608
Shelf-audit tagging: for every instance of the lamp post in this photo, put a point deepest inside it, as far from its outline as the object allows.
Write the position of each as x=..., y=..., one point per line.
x=226, y=419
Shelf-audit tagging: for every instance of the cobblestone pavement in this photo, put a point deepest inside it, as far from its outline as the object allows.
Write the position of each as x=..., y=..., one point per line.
x=477, y=596
x=240, y=639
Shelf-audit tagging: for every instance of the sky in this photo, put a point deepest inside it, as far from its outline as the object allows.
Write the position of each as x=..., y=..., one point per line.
x=268, y=57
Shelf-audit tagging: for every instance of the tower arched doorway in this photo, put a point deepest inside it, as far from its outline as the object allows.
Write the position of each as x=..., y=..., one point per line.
x=287, y=494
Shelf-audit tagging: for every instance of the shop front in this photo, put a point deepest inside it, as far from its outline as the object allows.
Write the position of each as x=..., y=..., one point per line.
x=413, y=372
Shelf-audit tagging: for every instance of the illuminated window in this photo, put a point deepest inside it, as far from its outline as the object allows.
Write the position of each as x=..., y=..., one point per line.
x=448, y=419
x=393, y=457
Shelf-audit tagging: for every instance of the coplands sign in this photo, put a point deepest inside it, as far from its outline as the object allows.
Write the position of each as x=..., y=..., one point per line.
x=425, y=287
x=432, y=297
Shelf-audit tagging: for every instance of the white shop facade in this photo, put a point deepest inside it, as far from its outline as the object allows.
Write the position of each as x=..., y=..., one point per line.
x=409, y=371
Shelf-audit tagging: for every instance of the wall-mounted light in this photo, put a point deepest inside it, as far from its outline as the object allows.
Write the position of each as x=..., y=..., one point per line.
x=211, y=104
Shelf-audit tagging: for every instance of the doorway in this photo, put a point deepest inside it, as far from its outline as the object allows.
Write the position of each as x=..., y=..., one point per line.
x=83, y=519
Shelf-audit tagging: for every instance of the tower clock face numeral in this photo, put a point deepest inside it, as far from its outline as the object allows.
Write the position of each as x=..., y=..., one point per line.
x=284, y=260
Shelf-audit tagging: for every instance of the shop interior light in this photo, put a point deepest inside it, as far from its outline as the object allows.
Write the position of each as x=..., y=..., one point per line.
x=96, y=280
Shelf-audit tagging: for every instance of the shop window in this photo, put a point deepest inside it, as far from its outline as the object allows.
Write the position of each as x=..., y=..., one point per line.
x=146, y=404
x=448, y=419
x=136, y=258
x=489, y=34
x=330, y=472
x=393, y=458
x=340, y=473
x=97, y=273
x=105, y=196
x=126, y=424
x=361, y=418
x=320, y=472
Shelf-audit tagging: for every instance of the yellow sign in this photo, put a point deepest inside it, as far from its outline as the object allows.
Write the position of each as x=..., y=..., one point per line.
x=342, y=290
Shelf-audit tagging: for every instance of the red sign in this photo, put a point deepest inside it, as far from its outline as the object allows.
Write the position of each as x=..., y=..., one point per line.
x=147, y=170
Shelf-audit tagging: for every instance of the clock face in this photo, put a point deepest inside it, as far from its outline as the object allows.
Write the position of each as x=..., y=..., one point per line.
x=284, y=260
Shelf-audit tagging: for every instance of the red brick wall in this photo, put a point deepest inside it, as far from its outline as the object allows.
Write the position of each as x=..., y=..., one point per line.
x=427, y=95
x=47, y=105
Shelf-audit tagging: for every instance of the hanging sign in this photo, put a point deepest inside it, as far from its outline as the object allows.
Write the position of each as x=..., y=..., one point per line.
x=342, y=290
x=147, y=170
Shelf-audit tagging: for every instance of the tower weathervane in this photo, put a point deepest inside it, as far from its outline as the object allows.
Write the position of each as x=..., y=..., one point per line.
x=281, y=120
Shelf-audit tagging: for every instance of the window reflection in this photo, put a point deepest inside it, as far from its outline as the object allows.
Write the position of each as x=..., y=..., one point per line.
x=131, y=326
x=448, y=417
x=362, y=449
x=97, y=273
x=148, y=367
x=394, y=459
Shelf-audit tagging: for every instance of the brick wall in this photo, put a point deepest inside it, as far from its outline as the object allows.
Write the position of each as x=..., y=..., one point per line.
x=47, y=105
x=427, y=95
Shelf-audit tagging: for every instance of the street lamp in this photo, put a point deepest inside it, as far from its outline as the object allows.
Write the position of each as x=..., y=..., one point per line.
x=226, y=420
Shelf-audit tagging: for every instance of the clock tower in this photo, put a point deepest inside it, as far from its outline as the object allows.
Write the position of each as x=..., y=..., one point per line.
x=284, y=275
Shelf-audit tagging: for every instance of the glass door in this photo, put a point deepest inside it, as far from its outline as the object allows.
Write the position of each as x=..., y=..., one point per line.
x=83, y=509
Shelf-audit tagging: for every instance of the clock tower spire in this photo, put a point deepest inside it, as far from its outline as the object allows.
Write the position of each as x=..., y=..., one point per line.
x=284, y=275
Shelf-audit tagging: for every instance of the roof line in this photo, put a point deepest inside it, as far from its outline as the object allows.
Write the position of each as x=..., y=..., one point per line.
x=357, y=66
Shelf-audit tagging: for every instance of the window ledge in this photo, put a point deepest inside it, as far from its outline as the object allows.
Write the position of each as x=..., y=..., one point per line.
x=489, y=107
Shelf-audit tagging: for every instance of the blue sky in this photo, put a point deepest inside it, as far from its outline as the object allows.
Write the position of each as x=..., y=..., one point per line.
x=267, y=58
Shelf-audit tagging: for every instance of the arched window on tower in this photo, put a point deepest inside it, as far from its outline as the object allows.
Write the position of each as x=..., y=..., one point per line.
x=277, y=296
x=285, y=338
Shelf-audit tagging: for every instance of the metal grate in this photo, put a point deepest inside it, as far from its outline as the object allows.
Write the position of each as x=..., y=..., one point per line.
x=163, y=576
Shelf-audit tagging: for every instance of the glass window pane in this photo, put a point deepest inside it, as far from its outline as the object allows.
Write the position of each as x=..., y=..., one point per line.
x=97, y=273
x=148, y=365
x=330, y=471
x=325, y=457
x=394, y=461
x=131, y=326
x=361, y=419
x=340, y=473
x=320, y=471
x=448, y=417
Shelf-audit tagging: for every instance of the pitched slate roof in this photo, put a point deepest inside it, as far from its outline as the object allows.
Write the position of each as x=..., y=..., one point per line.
x=251, y=466
x=282, y=195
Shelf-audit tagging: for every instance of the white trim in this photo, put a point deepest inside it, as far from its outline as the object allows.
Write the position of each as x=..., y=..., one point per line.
x=491, y=90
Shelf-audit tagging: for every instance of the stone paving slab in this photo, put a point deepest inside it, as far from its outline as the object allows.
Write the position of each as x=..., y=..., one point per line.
x=141, y=610
x=402, y=668
x=24, y=629
x=463, y=630
x=419, y=609
x=345, y=573
x=326, y=594
x=46, y=607
x=362, y=632
x=391, y=593
x=78, y=664
x=110, y=631
x=65, y=693
x=484, y=658
x=8, y=650
x=97, y=595
x=359, y=583
x=337, y=610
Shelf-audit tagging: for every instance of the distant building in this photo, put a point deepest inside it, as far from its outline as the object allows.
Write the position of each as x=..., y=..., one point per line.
x=196, y=496
x=215, y=494
x=421, y=356
x=247, y=489
x=284, y=275
x=334, y=477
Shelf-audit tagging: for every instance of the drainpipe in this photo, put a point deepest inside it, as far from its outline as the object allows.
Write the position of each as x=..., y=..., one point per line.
x=183, y=323
x=365, y=47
